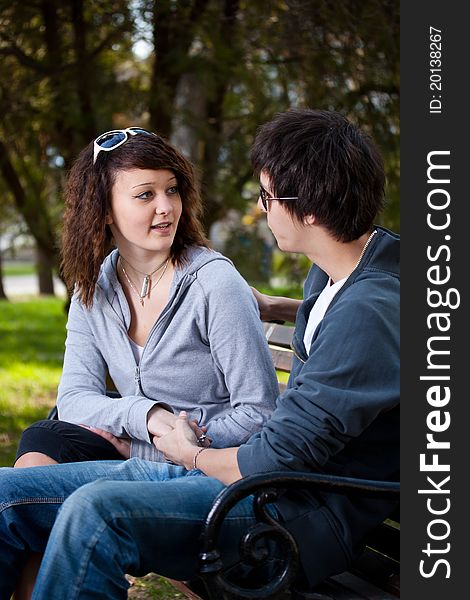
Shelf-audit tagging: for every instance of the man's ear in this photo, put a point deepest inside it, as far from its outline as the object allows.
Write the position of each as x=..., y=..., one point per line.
x=309, y=220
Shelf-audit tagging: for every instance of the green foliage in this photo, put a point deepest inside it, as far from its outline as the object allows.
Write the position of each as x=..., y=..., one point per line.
x=31, y=353
x=152, y=587
x=250, y=253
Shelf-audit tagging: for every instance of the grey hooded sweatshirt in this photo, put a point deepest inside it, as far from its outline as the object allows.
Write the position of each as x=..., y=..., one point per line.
x=205, y=354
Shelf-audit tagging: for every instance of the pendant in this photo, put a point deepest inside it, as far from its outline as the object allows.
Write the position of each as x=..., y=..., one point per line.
x=145, y=286
x=141, y=301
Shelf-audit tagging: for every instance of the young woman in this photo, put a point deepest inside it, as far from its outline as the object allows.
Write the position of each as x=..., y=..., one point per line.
x=170, y=321
x=156, y=316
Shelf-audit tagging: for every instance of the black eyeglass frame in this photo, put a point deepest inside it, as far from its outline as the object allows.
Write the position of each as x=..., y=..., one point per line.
x=265, y=198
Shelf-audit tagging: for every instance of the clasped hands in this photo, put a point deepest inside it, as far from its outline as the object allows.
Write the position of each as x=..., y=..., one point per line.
x=175, y=436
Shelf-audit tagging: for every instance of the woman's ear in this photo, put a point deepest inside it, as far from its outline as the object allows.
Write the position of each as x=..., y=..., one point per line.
x=109, y=219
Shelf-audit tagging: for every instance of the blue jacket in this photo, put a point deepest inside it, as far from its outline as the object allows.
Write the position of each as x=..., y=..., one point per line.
x=340, y=412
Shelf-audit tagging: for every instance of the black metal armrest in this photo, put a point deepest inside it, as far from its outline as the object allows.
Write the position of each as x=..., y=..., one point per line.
x=53, y=413
x=266, y=489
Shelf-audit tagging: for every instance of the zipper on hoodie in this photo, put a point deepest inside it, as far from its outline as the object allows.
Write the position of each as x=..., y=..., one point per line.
x=137, y=377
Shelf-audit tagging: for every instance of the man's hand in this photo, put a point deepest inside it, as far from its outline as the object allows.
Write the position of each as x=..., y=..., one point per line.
x=180, y=444
x=263, y=304
x=276, y=308
x=122, y=445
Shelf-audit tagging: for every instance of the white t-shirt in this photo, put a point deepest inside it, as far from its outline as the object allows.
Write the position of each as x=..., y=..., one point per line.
x=137, y=350
x=319, y=309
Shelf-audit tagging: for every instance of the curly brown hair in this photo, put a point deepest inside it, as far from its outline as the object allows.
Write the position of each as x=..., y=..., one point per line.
x=86, y=239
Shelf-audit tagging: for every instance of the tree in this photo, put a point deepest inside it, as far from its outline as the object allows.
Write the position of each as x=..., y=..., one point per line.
x=218, y=69
x=249, y=60
x=47, y=47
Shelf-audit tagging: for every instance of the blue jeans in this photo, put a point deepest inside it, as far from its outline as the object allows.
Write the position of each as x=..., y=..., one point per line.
x=115, y=517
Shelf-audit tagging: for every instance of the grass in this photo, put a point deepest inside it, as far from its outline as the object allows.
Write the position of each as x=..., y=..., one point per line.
x=18, y=268
x=32, y=333
x=152, y=587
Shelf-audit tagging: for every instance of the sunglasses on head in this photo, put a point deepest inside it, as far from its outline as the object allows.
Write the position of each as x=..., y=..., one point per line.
x=265, y=197
x=113, y=139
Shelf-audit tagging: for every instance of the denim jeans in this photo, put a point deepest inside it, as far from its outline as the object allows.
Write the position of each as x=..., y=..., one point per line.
x=115, y=517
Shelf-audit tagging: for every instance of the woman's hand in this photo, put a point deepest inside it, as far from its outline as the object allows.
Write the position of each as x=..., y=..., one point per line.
x=160, y=421
x=122, y=445
x=180, y=444
x=200, y=433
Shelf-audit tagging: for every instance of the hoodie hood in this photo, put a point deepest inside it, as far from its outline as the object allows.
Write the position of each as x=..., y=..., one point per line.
x=109, y=287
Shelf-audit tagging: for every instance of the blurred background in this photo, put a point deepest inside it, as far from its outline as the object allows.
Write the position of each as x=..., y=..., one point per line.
x=203, y=73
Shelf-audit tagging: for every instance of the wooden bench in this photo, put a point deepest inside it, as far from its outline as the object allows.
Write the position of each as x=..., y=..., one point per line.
x=374, y=576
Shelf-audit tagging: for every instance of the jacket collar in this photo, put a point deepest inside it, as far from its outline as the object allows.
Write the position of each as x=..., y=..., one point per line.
x=382, y=255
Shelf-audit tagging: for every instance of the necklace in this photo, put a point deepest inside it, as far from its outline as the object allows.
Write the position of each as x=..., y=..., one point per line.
x=147, y=276
x=145, y=284
x=146, y=288
x=364, y=249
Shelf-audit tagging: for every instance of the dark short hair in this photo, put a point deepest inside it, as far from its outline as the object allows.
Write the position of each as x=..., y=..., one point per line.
x=86, y=237
x=333, y=167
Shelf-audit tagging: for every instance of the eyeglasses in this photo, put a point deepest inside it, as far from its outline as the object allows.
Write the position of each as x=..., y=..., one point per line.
x=265, y=197
x=112, y=139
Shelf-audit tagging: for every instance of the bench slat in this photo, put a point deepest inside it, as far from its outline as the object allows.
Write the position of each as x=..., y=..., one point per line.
x=348, y=586
x=279, y=335
x=282, y=359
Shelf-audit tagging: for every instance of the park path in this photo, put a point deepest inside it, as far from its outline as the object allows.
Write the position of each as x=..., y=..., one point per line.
x=21, y=285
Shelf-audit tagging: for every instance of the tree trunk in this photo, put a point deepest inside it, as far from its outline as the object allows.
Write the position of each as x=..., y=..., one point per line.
x=197, y=103
x=45, y=272
x=3, y=296
x=226, y=55
x=191, y=108
x=173, y=32
x=83, y=85
x=33, y=211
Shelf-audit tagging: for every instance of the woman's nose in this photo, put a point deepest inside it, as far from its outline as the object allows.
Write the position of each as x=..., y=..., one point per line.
x=163, y=206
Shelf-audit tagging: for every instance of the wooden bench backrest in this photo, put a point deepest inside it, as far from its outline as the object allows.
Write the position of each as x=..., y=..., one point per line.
x=279, y=339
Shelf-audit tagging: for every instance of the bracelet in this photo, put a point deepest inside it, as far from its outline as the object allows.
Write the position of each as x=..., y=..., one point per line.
x=196, y=455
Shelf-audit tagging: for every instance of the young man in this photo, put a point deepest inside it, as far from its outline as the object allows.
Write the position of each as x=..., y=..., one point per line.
x=321, y=187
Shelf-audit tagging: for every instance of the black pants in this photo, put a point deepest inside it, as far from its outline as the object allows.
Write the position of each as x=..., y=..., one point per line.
x=65, y=442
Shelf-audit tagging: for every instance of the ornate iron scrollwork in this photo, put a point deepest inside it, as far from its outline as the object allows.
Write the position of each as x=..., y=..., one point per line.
x=266, y=489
